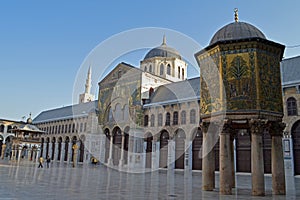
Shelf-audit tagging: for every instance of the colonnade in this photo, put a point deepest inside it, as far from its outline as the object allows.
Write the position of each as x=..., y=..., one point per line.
x=227, y=175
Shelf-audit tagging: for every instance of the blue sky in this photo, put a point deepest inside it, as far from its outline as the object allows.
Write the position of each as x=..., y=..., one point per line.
x=44, y=43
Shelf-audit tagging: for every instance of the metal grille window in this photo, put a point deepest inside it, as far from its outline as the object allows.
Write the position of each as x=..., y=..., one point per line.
x=152, y=120
x=175, y=118
x=193, y=116
x=160, y=117
x=291, y=106
x=168, y=119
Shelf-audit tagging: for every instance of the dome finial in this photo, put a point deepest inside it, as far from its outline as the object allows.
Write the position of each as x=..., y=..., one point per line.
x=236, y=15
x=164, y=40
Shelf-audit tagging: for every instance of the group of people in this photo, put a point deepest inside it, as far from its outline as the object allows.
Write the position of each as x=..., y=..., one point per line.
x=41, y=161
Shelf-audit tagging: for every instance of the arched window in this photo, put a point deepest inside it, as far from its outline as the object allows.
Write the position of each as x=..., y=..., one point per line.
x=150, y=68
x=162, y=69
x=178, y=72
x=291, y=105
x=81, y=127
x=126, y=113
x=160, y=117
x=146, y=119
x=109, y=115
x=193, y=116
x=169, y=69
x=183, y=117
x=175, y=118
x=168, y=119
x=151, y=90
x=152, y=120
x=182, y=74
x=118, y=115
x=145, y=68
x=2, y=128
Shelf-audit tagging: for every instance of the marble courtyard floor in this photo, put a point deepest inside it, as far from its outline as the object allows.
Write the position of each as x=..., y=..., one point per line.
x=61, y=181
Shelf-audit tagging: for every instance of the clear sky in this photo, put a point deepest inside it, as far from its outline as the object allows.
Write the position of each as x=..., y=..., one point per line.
x=44, y=43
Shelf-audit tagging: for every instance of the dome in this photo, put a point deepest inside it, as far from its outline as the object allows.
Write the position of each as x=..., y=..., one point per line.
x=29, y=120
x=163, y=51
x=236, y=31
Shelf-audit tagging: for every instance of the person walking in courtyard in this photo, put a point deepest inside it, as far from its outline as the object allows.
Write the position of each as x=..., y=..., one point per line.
x=48, y=161
x=41, y=162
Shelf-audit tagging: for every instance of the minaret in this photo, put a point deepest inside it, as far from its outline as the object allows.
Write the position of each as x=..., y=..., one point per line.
x=88, y=83
x=87, y=96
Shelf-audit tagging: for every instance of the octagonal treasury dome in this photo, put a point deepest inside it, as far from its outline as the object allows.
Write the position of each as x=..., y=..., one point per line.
x=163, y=51
x=236, y=31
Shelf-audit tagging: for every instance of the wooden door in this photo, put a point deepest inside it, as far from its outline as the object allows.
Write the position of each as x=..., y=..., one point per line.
x=296, y=147
x=243, y=152
x=197, y=151
x=267, y=147
x=179, y=153
x=149, y=152
x=163, y=153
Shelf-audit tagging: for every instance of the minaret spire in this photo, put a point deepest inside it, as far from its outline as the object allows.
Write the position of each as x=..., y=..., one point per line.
x=88, y=83
x=87, y=96
x=164, y=40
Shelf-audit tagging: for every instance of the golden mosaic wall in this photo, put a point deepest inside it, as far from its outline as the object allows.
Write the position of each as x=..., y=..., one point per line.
x=240, y=76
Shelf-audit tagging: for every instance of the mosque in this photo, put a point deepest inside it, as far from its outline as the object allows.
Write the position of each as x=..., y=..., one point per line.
x=229, y=119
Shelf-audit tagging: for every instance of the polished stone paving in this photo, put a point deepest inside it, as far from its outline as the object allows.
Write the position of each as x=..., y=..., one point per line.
x=62, y=181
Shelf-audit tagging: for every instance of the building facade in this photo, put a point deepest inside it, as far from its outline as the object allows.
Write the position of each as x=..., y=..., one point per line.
x=228, y=120
x=291, y=97
x=19, y=140
x=71, y=130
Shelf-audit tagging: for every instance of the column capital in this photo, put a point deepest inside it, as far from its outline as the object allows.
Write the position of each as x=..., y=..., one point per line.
x=204, y=126
x=257, y=126
x=276, y=128
x=227, y=127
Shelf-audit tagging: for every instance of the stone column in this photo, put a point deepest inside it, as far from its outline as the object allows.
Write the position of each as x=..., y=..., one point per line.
x=110, y=160
x=3, y=150
x=13, y=154
x=62, y=152
x=225, y=160
x=70, y=151
x=257, y=160
x=44, y=150
x=55, y=151
x=19, y=153
x=208, y=159
x=171, y=154
x=37, y=155
x=121, y=161
x=30, y=151
x=50, y=150
x=278, y=173
x=75, y=148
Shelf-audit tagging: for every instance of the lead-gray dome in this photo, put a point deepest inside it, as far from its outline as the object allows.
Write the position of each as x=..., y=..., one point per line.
x=236, y=31
x=163, y=51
